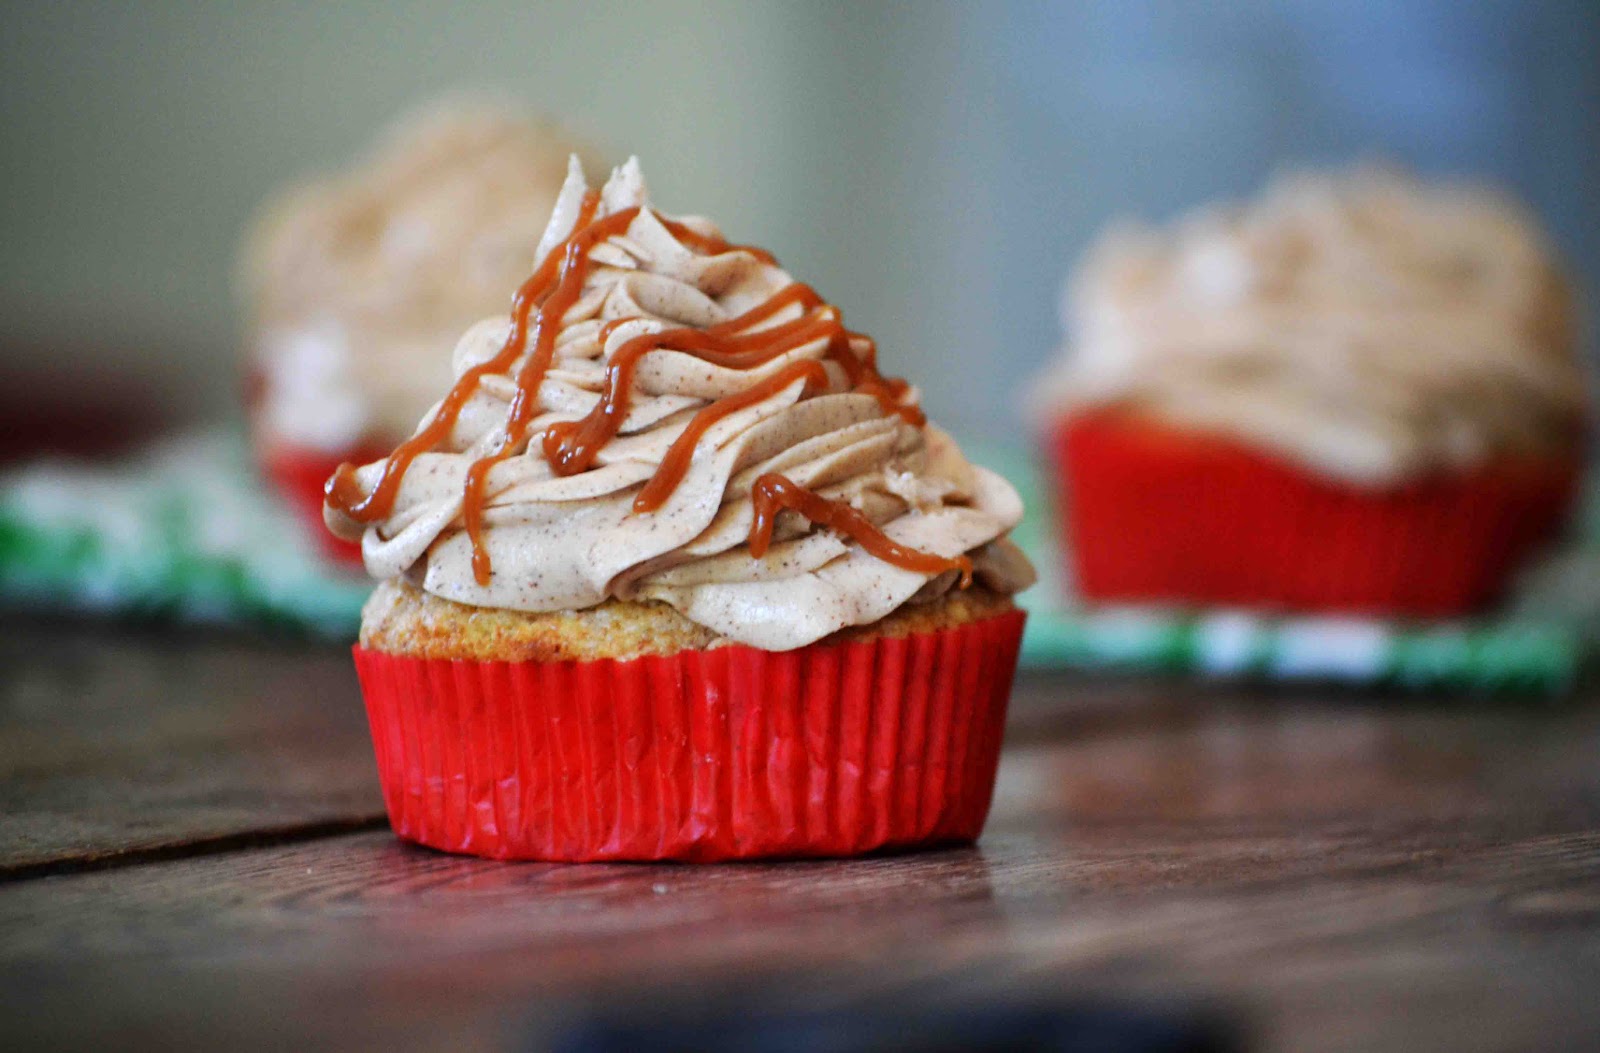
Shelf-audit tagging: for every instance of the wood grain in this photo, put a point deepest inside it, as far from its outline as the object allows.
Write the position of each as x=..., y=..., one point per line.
x=124, y=744
x=1337, y=875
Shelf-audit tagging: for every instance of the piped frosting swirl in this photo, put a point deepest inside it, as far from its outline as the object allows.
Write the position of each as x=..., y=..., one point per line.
x=666, y=416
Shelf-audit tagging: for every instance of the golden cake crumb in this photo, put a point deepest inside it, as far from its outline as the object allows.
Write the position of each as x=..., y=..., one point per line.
x=401, y=619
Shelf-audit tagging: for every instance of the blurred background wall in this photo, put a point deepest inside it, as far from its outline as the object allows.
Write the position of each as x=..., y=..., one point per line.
x=932, y=167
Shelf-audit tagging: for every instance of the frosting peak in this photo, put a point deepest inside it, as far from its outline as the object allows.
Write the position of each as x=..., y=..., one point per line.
x=1366, y=324
x=667, y=416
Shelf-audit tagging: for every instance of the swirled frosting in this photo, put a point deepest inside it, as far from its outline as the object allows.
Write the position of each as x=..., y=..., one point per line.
x=355, y=280
x=571, y=541
x=1364, y=324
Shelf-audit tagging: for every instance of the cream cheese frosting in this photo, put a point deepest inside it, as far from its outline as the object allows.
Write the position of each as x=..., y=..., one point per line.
x=563, y=542
x=355, y=280
x=1364, y=324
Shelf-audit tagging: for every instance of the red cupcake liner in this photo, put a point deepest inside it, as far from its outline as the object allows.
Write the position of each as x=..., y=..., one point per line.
x=298, y=474
x=731, y=753
x=1157, y=513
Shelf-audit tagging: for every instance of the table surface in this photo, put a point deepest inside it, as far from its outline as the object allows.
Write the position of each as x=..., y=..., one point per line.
x=193, y=852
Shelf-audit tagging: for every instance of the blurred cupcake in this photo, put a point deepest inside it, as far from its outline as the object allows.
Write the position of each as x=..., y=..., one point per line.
x=1357, y=393
x=354, y=281
x=673, y=572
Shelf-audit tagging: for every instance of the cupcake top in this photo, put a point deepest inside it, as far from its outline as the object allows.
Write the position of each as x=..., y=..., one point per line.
x=354, y=280
x=669, y=417
x=1366, y=325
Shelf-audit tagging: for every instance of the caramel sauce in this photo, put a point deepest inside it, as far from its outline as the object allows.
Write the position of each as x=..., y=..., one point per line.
x=773, y=493
x=343, y=492
x=574, y=268
x=572, y=447
x=712, y=246
x=675, y=463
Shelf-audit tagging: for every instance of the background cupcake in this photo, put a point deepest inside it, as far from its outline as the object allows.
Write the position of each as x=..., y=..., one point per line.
x=354, y=281
x=1356, y=393
x=674, y=572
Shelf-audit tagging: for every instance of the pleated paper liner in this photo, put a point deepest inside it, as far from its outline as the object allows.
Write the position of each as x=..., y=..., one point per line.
x=298, y=474
x=1161, y=514
x=834, y=749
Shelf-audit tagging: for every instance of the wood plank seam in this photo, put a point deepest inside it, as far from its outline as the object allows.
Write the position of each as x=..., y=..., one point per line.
x=192, y=849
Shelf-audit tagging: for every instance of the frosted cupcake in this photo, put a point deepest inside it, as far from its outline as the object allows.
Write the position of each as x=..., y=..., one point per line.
x=1357, y=393
x=673, y=572
x=354, y=281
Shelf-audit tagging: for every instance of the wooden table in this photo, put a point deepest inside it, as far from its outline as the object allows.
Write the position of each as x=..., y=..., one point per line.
x=193, y=853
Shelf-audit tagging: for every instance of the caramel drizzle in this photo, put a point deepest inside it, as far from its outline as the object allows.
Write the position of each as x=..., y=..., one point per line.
x=572, y=447
x=712, y=246
x=773, y=493
x=675, y=463
x=343, y=491
x=574, y=269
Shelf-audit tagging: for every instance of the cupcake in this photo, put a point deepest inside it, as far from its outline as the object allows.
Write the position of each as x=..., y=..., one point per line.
x=1358, y=394
x=354, y=281
x=673, y=572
